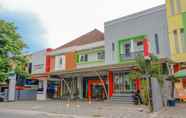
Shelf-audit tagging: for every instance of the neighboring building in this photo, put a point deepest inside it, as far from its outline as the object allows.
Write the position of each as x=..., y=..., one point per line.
x=41, y=64
x=141, y=33
x=176, y=18
x=124, y=37
x=74, y=62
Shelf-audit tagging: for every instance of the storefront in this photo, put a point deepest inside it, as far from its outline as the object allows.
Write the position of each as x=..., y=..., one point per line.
x=95, y=88
x=123, y=84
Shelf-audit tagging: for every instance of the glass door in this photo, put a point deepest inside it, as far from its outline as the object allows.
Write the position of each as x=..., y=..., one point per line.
x=122, y=83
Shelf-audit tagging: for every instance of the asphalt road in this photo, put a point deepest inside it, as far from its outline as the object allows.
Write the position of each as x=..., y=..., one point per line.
x=6, y=113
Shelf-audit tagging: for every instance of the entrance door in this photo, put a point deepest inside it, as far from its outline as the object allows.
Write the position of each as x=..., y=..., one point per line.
x=122, y=83
x=97, y=92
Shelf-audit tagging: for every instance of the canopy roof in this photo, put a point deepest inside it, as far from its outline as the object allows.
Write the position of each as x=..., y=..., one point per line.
x=180, y=74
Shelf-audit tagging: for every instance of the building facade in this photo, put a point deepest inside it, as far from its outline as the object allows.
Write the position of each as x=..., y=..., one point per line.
x=176, y=18
x=97, y=65
x=141, y=33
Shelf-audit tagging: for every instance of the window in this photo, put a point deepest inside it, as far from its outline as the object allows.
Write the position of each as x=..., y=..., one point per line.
x=140, y=43
x=182, y=35
x=60, y=61
x=84, y=58
x=113, y=47
x=157, y=43
x=101, y=55
x=127, y=50
x=176, y=41
x=172, y=11
x=178, y=6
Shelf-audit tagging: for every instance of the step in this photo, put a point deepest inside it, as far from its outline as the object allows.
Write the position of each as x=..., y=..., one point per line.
x=123, y=98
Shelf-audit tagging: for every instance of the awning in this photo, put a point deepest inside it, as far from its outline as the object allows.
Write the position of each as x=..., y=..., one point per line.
x=180, y=74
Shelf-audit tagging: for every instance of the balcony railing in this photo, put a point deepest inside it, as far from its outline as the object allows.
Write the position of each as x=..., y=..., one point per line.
x=131, y=55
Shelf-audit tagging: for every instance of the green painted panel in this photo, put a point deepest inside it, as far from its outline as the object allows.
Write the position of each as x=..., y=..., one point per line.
x=184, y=22
x=139, y=37
x=123, y=41
x=89, y=51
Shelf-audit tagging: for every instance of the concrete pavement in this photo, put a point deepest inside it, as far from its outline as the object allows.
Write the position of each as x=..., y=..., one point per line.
x=61, y=109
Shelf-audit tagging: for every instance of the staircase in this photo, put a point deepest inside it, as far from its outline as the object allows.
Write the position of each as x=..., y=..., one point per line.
x=125, y=98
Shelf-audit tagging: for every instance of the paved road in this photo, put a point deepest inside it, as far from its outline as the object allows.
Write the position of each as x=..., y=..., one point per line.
x=12, y=113
x=58, y=109
x=5, y=113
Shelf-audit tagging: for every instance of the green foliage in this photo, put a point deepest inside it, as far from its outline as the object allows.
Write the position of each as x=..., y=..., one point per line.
x=147, y=68
x=11, y=46
x=151, y=67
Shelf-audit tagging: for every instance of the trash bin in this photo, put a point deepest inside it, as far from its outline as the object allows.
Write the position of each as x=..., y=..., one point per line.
x=171, y=102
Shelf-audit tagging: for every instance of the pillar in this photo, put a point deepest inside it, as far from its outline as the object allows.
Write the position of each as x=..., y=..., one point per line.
x=42, y=95
x=12, y=88
x=80, y=87
x=89, y=90
x=110, y=83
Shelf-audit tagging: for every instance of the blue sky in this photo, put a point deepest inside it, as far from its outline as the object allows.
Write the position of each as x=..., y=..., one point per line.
x=52, y=23
x=29, y=27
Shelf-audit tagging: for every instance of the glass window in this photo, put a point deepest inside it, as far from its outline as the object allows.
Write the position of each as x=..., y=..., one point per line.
x=127, y=49
x=84, y=58
x=157, y=43
x=172, y=8
x=176, y=41
x=60, y=61
x=178, y=6
x=101, y=55
x=113, y=47
x=140, y=43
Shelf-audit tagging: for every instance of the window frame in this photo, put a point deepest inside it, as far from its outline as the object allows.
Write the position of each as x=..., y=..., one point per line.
x=156, y=38
x=101, y=54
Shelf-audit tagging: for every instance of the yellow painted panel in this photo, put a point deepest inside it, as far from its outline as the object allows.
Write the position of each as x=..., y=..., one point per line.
x=175, y=22
x=168, y=7
x=172, y=44
x=179, y=57
x=183, y=5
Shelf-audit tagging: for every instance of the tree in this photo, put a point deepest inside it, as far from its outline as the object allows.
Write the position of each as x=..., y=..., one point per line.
x=146, y=69
x=11, y=47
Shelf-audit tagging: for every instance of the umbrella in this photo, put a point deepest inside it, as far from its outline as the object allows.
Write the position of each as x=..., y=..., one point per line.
x=180, y=74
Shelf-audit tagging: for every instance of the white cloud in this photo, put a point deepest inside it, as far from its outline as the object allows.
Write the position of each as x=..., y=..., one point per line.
x=65, y=20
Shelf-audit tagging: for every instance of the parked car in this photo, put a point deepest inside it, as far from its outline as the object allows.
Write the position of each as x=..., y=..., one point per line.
x=2, y=96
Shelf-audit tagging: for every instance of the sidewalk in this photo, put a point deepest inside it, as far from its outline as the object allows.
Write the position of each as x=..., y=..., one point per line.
x=94, y=110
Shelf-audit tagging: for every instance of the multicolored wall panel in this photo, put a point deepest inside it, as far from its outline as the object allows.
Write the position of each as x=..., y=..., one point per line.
x=176, y=18
x=70, y=61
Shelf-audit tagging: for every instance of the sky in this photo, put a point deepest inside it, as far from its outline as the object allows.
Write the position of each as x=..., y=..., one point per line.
x=52, y=23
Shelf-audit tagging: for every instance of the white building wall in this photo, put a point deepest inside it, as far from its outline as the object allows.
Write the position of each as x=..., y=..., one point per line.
x=59, y=66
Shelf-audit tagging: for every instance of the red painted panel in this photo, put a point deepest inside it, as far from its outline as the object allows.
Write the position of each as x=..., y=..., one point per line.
x=89, y=89
x=110, y=80
x=48, y=61
x=138, y=84
x=146, y=46
x=176, y=68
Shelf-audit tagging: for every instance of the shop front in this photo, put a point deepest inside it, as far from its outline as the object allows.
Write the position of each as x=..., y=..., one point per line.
x=123, y=84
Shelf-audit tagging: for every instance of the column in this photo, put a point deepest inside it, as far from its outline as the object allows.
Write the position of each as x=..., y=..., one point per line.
x=12, y=88
x=110, y=83
x=80, y=87
x=44, y=89
x=42, y=95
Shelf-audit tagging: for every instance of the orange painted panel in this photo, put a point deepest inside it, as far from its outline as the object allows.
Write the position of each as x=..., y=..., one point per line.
x=70, y=58
x=52, y=63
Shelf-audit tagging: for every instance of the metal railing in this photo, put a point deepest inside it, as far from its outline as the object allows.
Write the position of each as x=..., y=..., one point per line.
x=131, y=55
